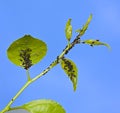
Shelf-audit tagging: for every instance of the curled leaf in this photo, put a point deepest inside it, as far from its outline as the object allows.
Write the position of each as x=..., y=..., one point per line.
x=42, y=106
x=92, y=42
x=71, y=70
x=26, y=51
x=68, y=30
x=84, y=28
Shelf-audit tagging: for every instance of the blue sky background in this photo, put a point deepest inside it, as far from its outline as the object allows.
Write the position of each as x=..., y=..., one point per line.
x=99, y=69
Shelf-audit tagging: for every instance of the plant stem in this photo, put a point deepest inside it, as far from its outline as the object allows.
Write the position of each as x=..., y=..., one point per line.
x=15, y=97
x=54, y=63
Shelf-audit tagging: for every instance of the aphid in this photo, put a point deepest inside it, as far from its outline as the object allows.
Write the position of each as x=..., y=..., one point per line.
x=25, y=58
x=97, y=40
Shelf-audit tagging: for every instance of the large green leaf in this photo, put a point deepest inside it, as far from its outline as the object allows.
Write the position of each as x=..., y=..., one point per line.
x=71, y=70
x=17, y=111
x=42, y=106
x=93, y=42
x=84, y=28
x=26, y=51
x=68, y=30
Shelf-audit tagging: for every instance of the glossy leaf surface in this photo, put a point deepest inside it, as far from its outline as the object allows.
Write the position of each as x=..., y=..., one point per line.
x=84, y=28
x=71, y=70
x=68, y=30
x=26, y=51
x=42, y=106
x=92, y=42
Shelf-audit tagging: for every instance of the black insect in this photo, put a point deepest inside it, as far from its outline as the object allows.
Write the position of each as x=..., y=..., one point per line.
x=25, y=58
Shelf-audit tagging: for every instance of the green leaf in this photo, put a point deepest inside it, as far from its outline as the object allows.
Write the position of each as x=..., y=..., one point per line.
x=68, y=30
x=71, y=70
x=92, y=42
x=26, y=51
x=42, y=106
x=18, y=111
x=84, y=28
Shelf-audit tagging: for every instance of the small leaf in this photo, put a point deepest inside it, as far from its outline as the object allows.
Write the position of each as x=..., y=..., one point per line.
x=84, y=28
x=92, y=42
x=42, y=106
x=71, y=70
x=68, y=30
x=26, y=51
